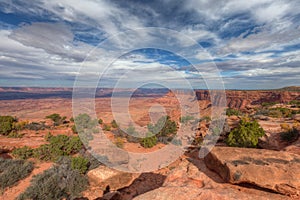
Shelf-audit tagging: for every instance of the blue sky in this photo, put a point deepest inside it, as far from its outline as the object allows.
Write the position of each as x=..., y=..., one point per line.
x=252, y=44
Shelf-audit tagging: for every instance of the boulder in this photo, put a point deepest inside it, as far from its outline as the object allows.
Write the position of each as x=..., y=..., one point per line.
x=272, y=170
x=103, y=176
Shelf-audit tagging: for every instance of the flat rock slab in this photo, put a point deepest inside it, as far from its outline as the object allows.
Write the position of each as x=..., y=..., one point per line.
x=103, y=176
x=273, y=170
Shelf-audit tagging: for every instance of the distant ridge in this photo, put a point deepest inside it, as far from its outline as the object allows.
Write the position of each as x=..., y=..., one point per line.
x=290, y=88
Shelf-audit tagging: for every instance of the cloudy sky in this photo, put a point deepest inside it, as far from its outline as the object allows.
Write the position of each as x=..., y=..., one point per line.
x=249, y=44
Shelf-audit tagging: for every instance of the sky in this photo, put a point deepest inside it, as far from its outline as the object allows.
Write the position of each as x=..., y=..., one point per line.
x=172, y=43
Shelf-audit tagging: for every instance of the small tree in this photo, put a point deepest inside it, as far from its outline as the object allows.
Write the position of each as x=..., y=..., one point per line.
x=149, y=141
x=6, y=124
x=80, y=163
x=106, y=127
x=56, y=118
x=85, y=126
x=246, y=134
x=165, y=129
x=114, y=124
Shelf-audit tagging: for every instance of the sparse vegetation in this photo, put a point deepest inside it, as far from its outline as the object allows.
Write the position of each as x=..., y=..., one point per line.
x=11, y=171
x=85, y=126
x=23, y=152
x=114, y=124
x=58, y=182
x=280, y=112
x=6, y=124
x=56, y=118
x=80, y=163
x=165, y=129
x=74, y=130
x=149, y=141
x=18, y=126
x=92, y=161
x=186, y=119
x=58, y=146
x=205, y=118
x=276, y=112
x=35, y=126
x=119, y=142
x=296, y=103
x=246, y=134
x=106, y=127
x=15, y=134
x=268, y=104
x=231, y=111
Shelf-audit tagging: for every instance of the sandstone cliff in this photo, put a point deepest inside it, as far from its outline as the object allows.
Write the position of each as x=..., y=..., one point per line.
x=241, y=99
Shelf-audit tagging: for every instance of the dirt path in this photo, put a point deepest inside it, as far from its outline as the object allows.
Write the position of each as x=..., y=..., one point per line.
x=13, y=192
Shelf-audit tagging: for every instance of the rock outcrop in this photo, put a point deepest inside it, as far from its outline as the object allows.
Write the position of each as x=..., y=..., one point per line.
x=103, y=176
x=191, y=180
x=271, y=170
x=244, y=99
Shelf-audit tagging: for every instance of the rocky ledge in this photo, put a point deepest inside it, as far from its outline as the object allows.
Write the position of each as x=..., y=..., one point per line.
x=275, y=171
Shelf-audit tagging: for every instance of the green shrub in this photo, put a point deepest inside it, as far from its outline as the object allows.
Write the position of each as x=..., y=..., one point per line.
x=15, y=134
x=84, y=121
x=85, y=126
x=290, y=135
x=58, y=182
x=119, y=142
x=93, y=162
x=119, y=133
x=23, y=152
x=275, y=112
x=18, y=126
x=231, y=111
x=263, y=111
x=106, y=127
x=80, y=163
x=6, y=124
x=74, y=130
x=295, y=103
x=186, y=119
x=205, y=118
x=165, y=129
x=246, y=134
x=57, y=119
x=35, y=126
x=149, y=141
x=268, y=104
x=100, y=121
x=60, y=145
x=11, y=171
x=48, y=136
x=114, y=124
